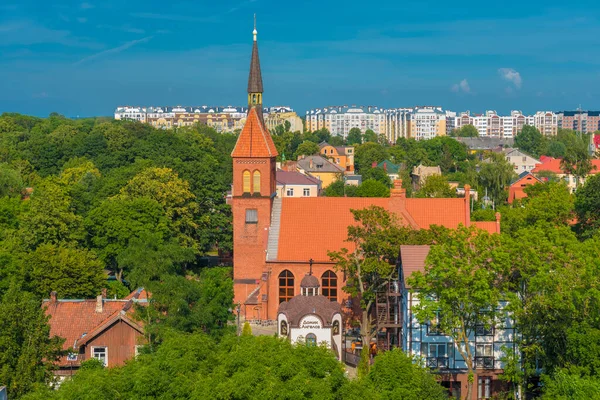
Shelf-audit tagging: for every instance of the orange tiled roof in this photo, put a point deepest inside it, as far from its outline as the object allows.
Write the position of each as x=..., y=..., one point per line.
x=310, y=227
x=254, y=140
x=412, y=259
x=445, y=212
x=553, y=165
x=75, y=319
x=490, y=226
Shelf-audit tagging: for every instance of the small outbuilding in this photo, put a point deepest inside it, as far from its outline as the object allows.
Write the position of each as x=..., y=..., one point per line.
x=311, y=318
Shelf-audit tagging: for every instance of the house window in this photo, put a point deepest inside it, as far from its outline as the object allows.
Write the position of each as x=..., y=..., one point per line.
x=252, y=216
x=484, y=388
x=246, y=181
x=289, y=192
x=437, y=350
x=311, y=340
x=286, y=286
x=484, y=350
x=306, y=192
x=256, y=182
x=434, y=324
x=101, y=353
x=329, y=285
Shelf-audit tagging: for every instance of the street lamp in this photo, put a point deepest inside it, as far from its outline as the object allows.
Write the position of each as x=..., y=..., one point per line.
x=238, y=308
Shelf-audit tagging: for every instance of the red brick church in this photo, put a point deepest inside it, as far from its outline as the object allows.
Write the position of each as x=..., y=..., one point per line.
x=277, y=240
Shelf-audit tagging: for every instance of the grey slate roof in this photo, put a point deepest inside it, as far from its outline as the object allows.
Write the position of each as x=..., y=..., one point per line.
x=318, y=164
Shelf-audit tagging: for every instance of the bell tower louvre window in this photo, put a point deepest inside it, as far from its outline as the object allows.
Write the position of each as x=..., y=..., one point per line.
x=256, y=182
x=246, y=182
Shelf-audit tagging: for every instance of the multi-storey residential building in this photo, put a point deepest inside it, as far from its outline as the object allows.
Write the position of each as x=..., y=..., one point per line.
x=340, y=119
x=131, y=113
x=426, y=123
x=579, y=120
x=396, y=123
x=222, y=119
x=491, y=124
x=546, y=122
x=275, y=116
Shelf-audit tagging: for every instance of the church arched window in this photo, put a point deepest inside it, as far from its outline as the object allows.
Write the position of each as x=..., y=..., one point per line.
x=329, y=285
x=246, y=181
x=311, y=340
x=256, y=181
x=286, y=286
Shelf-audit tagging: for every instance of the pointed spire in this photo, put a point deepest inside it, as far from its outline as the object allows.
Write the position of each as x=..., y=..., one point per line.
x=255, y=84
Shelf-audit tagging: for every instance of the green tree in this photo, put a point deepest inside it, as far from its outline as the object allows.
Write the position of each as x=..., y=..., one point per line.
x=570, y=385
x=577, y=160
x=51, y=218
x=307, y=148
x=27, y=353
x=436, y=186
x=370, y=136
x=367, y=154
x=113, y=224
x=354, y=137
x=377, y=174
x=72, y=273
x=531, y=141
x=11, y=182
x=247, y=329
x=550, y=204
x=372, y=188
x=467, y=131
x=463, y=276
x=395, y=375
x=587, y=206
x=495, y=175
x=172, y=193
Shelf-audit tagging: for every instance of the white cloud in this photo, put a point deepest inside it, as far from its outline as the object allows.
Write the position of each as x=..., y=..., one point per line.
x=510, y=75
x=114, y=50
x=86, y=6
x=463, y=87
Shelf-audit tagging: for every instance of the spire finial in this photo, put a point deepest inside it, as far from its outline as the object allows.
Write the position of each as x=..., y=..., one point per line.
x=254, y=32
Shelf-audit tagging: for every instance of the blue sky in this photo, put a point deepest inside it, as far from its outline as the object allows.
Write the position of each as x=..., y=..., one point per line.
x=86, y=57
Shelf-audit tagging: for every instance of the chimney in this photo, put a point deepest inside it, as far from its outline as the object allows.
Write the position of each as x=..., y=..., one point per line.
x=99, y=303
x=385, y=167
x=498, y=217
x=311, y=163
x=103, y=293
x=53, y=296
x=374, y=164
x=398, y=190
x=467, y=205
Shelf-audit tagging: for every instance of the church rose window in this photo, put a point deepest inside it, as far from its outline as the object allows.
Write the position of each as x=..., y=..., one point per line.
x=286, y=286
x=329, y=285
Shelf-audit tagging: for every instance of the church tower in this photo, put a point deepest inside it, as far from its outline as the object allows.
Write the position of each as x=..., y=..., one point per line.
x=254, y=188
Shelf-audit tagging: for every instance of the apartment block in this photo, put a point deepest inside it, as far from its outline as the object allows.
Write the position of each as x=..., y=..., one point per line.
x=579, y=120
x=222, y=119
x=427, y=123
x=491, y=124
x=340, y=119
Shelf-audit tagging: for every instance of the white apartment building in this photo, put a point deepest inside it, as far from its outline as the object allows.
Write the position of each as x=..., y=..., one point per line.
x=340, y=119
x=491, y=124
x=131, y=113
x=396, y=123
x=546, y=122
x=427, y=122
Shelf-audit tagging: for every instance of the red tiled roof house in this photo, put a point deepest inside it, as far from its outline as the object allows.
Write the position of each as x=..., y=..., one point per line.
x=101, y=328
